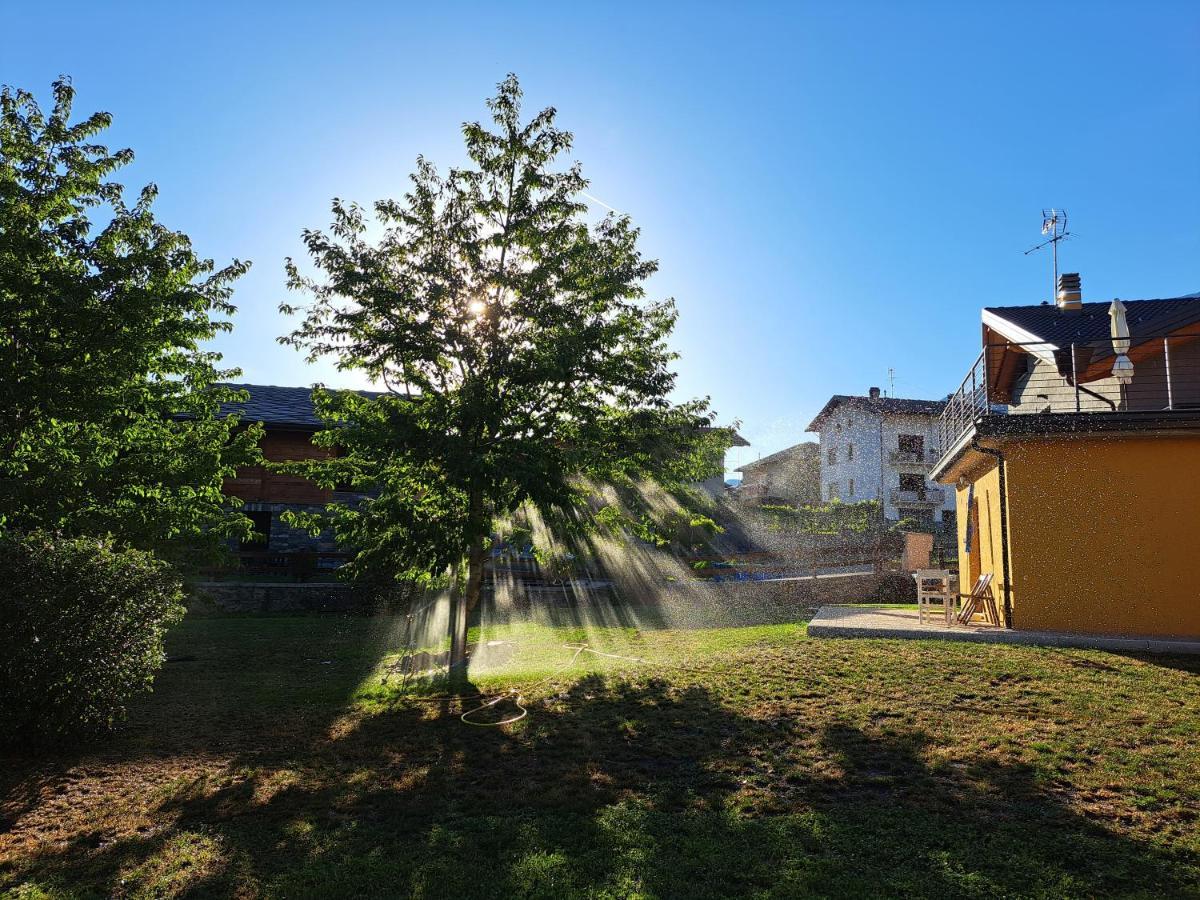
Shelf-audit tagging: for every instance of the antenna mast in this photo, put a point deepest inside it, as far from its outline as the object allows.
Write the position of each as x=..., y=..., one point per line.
x=1054, y=223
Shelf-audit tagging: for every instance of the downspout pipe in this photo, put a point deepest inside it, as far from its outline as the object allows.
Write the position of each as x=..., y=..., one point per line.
x=1003, y=526
x=1099, y=397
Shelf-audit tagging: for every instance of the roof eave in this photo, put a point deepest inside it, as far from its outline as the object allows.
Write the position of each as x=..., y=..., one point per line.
x=1030, y=342
x=1060, y=425
x=833, y=403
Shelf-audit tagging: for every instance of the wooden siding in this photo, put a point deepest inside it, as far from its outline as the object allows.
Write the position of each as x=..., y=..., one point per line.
x=257, y=483
x=1042, y=389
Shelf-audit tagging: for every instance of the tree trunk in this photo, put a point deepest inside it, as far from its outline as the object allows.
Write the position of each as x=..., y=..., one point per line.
x=475, y=560
x=469, y=599
x=458, y=631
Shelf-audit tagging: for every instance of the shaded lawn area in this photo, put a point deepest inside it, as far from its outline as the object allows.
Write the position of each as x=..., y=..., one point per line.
x=271, y=761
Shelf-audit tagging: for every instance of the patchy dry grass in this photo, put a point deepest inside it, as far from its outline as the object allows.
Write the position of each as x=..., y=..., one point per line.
x=271, y=762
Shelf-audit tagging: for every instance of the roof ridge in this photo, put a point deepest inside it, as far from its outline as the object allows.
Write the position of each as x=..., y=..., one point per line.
x=1046, y=304
x=883, y=398
x=916, y=406
x=284, y=387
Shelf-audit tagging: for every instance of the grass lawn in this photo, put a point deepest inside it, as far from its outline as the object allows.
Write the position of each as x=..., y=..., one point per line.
x=271, y=761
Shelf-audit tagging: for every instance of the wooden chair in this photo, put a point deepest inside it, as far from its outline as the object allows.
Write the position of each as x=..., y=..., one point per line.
x=933, y=589
x=980, y=600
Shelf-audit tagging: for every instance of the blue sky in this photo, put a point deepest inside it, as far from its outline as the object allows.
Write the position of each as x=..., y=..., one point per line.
x=833, y=190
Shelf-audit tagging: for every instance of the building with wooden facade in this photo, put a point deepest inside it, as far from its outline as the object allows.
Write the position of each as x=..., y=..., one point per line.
x=290, y=422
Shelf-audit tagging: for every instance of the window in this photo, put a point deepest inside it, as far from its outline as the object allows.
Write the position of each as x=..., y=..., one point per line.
x=261, y=539
x=912, y=443
x=851, y=491
x=850, y=454
x=913, y=484
x=832, y=455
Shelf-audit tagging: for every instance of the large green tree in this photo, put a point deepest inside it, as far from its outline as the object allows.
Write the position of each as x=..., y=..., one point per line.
x=109, y=406
x=521, y=359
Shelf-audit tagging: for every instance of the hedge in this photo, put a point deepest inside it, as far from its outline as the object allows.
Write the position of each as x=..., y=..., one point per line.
x=81, y=632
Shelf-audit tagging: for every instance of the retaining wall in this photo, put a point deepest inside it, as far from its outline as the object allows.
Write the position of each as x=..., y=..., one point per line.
x=260, y=597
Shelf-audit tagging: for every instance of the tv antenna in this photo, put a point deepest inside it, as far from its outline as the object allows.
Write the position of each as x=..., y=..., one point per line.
x=1054, y=223
x=891, y=382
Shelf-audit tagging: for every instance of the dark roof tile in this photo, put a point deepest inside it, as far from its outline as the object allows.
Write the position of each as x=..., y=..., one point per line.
x=1147, y=318
x=895, y=406
x=796, y=452
x=279, y=406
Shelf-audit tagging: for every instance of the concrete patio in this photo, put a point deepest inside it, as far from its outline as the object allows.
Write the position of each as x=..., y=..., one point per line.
x=877, y=622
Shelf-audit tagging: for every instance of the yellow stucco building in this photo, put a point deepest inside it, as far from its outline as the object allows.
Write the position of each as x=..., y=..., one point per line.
x=1075, y=460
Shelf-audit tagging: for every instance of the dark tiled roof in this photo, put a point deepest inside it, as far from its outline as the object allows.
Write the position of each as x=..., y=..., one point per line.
x=794, y=452
x=279, y=406
x=894, y=406
x=1091, y=323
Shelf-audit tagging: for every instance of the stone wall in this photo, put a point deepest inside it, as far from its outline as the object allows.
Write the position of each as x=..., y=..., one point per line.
x=850, y=588
x=260, y=597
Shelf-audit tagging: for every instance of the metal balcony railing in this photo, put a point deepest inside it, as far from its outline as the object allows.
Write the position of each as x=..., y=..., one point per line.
x=1075, y=379
x=965, y=405
x=930, y=496
x=925, y=458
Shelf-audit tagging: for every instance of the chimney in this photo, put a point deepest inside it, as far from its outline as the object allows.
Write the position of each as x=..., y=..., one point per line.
x=873, y=393
x=1070, y=297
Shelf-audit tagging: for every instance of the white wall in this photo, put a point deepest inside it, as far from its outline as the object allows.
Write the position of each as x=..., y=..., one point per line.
x=874, y=476
x=714, y=485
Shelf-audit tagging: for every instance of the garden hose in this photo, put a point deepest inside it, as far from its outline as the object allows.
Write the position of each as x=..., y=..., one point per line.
x=517, y=697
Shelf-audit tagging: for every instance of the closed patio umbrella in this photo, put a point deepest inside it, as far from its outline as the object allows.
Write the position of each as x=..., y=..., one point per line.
x=1122, y=366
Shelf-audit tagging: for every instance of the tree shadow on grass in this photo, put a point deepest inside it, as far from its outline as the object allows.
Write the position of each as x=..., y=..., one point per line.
x=619, y=788
x=232, y=687
x=1180, y=662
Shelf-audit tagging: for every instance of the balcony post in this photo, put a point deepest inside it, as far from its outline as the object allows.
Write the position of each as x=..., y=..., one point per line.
x=1167, y=362
x=1074, y=378
x=975, y=390
x=986, y=405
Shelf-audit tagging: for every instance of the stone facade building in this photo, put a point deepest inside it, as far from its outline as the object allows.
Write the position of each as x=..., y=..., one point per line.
x=882, y=448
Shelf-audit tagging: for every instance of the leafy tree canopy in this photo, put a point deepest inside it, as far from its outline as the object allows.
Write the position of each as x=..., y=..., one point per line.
x=522, y=360
x=109, y=407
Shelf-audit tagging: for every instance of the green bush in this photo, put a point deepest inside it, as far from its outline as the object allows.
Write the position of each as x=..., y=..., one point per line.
x=81, y=632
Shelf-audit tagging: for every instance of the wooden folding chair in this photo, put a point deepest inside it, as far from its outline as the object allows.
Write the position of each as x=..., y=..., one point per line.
x=979, y=600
